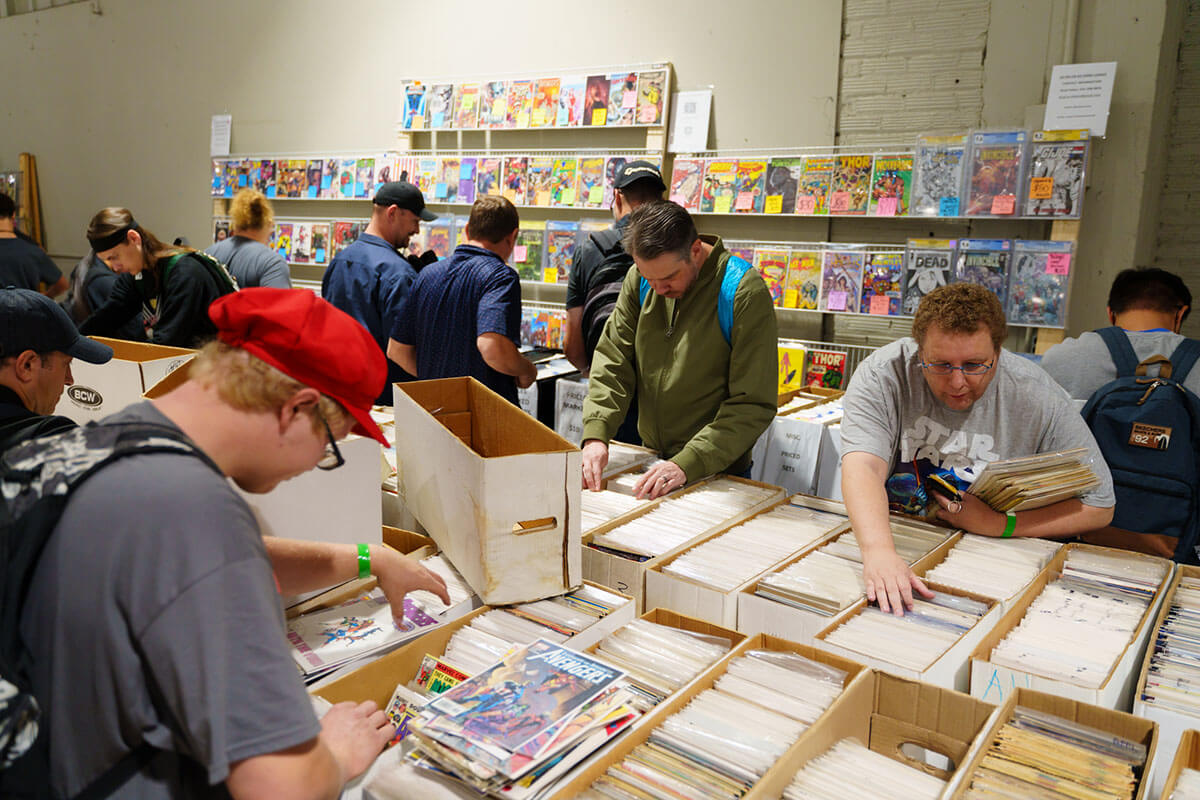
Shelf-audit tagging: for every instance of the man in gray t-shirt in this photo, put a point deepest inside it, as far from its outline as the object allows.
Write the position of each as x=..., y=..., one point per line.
x=947, y=402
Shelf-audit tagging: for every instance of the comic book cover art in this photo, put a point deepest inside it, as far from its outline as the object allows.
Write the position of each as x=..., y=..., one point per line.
x=515, y=169
x=493, y=105
x=570, y=101
x=228, y=182
x=562, y=186
x=527, y=254
x=347, y=168
x=437, y=237
x=883, y=275
x=414, y=106
x=590, y=191
x=218, y=178
x=302, y=242
x=927, y=265
x=429, y=169
x=466, y=179
x=850, y=192
x=466, y=106
x=611, y=167
x=313, y=177
x=220, y=230
x=750, y=186
x=622, y=98
x=264, y=177
x=338, y=634
x=541, y=321
x=782, y=181
x=687, y=179
x=445, y=189
x=364, y=178
x=772, y=264
x=595, y=100
x=406, y=169
x=545, y=102
x=938, y=175
x=994, y=180
x=294, y=178
x=825, y=368
x=342, y=237
x=720, y=186
x=460, y=229
x=791, y=368
x=906, y=486
x=283, y=240
x=803, y=286
x=841, y=280
x=1038, y=292
x=812, y=196
x=440, y=104
x=320, y=243
x=651, y=90
x=539, y=181
x=387, y=168
x=520, y=104
x=328, y=186
x=892, y=179
x=487, y=178
x=561, y=237
x=1056, y=164
x=984, y=262
x=241, y=175
x=742, y=250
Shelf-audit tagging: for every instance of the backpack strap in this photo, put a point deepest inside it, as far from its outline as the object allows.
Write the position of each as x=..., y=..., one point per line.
x=643, y=290
x=1120, y=349
x=735, y=269
x=214, y=267
x=1183, y=359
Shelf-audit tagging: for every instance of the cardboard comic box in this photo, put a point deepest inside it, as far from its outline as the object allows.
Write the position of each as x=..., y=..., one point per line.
x=103, y=389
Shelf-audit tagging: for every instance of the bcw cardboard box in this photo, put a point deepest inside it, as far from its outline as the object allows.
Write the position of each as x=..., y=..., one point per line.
x=103, y=389
x=497, y=490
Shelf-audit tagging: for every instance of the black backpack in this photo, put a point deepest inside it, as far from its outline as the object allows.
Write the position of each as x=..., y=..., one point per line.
x=603, y=286
x=37, y=479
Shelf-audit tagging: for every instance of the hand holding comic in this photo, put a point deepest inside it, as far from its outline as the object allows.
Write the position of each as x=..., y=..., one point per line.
x=398, y=576
x=890, y=581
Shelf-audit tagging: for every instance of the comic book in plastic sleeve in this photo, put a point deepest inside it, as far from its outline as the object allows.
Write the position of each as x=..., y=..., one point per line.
x=1037, y=293
x=364, y=178
x=438, y=236
x=386, y=167
x=406, y=168
x=445, y=188
x=218, y=178
x=771, y=263
x=264, y=176
x=328, y=188
x=493, y=104
x=589, y=192
x=892, y=179
x=466, y=179
x=539, y=181
x=743, y=250
x=320, y=243
x=938, y=170
x=622, y=98
x=345, y=179
x=488, y=178
x=342, y=237
x=460, y=229
x=994, y=177
x=720, y=182
x=325, y=639
x=441, y=105
x=984, y=262
x=570, y=101
x=611, y=167
x=782, y=182
x=220, y=230
x=295, y=177
x=791, y=367
x=841, y=279
x=283, y=240
x=545, y=103
x=687, y=178
x=749, y=186
x=515, y=173
x=802, y=288
x=562, y=182
x=883, y=275
x=302, y=242
x=928, y=264
x=595, y=100
x=812, y=196
x=520, y=104
x=527, y=254
x=429, y=169
x=825, y=368
x=561, y=239
x=466, y=106
x=850, y=190
x=414, y=106
x=651, y=87
x=229, y=180
x=1057, y=160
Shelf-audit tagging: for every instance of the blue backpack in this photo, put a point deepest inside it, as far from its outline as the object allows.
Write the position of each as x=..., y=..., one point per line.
x=1148, y=429
x=735, y=269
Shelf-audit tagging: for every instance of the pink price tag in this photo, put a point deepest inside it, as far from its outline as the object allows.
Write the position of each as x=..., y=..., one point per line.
x=836, y=301
x=885, y=208
x=1004, y=204
x=1058, y=263
x=839, y=203
x=520, y=252
x=880, y=304
x=629, y=99
x=745, y=201
x=806, y=204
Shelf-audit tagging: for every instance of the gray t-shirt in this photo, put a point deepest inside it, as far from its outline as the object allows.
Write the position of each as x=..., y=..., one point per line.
x=890, y=412
x=153, y=616
x=1083, y=365
x=252, y=263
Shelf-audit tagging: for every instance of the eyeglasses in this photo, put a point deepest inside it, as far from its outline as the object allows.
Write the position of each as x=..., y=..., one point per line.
x=968, y=368
x=333, y=457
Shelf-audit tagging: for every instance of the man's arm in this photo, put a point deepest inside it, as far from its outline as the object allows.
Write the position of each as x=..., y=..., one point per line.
x=573, y=344
x=403, y=354
x=502, y=355
x=57, y=288
x=1064, y=518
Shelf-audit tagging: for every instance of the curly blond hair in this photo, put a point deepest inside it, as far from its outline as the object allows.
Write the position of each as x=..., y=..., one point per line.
x=961, y=308
x=251, y=211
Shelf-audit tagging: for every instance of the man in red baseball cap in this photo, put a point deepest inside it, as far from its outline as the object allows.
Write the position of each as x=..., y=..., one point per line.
x=154, y=606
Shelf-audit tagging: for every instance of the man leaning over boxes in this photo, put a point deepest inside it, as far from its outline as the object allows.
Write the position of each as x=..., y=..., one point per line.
x=694, y=331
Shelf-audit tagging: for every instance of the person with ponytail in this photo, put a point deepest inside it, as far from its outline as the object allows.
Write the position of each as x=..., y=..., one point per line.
x=245, y=252
x=171, y=287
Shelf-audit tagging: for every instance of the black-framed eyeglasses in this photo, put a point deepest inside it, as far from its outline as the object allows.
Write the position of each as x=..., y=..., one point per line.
x=967, y=368
x=333, y=457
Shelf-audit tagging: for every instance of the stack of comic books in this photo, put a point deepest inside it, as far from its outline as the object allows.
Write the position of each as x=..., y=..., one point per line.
x=850, y=769
x=1019, y=484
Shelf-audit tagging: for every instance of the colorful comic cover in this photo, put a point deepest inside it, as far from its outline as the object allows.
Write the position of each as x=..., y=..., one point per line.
x=1040, y=275
x=414, y=106
x=445, y=190
x=782, y=181
x=595, y=100
x=928, y=264
x=320, y=243
x=545, y=102
x=487, y=178
x=652, y=86
x=812, y=196
x=429, y=169
x=562, y=187
x=387, y=168
x=406, y=168
x=850, y=192
x=611, y=167
x=590, y=191
x=938, y=175
x=791, y=368
x=440, y=104
x=515, y=173
x=347, y=168
x=883, y=276
x=435, y=676
x=561, y=238
x=313, y=177
x=554, y=330
x=520, y=104
x=460, y=229
x=263, y=175
x=527, y=254
x=984, y=262
x=750, y=186
x=622, y=98
x=239, y=175
x=328, y=187
x=283, y=240
x=892, y=181
x=230, y=181
x=466, y=180
x=342, y=237
x=220, y=230
x=334, y=636
x=742, y=250
x=539, y=181
x=772, y=264
x=437, y=236
x=841, y=280
x=570, y=101
x=803, y=286
x=826, y=368
x=302, y=242
x=720, y=186
x=1056, y=163
x=687, y=179
x=294, y=178
x=994, y=179
x=364, y=178
x=466, y=106
x=493, y=104
x=218, y=178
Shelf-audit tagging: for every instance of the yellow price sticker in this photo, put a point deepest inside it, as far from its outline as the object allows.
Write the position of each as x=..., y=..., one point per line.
x=599, y=116
x=721, y=204
x=550, y=275
x=774, y=204
x=543, y=197
x=418, y=122
x=596, y=195
x=522, y=120
x=567, y=198
x=791, y=298
x=498, y=108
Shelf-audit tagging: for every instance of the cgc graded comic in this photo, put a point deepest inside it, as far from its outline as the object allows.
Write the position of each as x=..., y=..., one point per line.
x=330, y=189
x=882, y=278
x=364, y=177
x=812, y=197
x=320, y=243
x=687, y=178
x=651, y=85
x=220, y=230
x=750, y=186
x=928, y=264
x=488, y=178
x=783, y=181
x=313, y=177
x=595, y=100
x=283, y=240
x=984, y=262
x=1040, y=276
x=841, y=280
x=343, y=236
x=302, y=243
x=938, y=175
x=611, y=167
x=445, y=189
x=347, y=167
x=994, y=179
x=414, y=106
x=850, y=192
x=891, y=187
x=527, y=254
x=1057, y=160
x=293, y=178
x=561, y=237
x=466, y=180
x=263, y=176
x=720, y=185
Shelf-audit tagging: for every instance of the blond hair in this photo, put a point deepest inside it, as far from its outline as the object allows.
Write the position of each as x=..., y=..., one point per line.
x=961, y=308
x=251, y=211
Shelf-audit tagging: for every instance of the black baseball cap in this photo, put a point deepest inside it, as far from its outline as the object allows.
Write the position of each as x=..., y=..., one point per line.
x=636, y=171
x=31, y=321
x=404, y=195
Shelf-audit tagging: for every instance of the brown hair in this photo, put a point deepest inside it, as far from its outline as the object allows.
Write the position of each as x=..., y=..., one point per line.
x=492, y=219
x=251, y=211
x=961, y=308
x=113, y=219
x=658, y=228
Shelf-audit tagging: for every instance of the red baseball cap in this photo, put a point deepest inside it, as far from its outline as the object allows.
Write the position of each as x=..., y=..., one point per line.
x=309, y=340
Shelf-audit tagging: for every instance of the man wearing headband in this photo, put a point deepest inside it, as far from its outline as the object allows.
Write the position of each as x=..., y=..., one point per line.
x=23, y=263
x=154, y=608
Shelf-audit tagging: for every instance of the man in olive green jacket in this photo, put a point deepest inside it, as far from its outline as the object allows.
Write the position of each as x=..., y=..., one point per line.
x=705, y=398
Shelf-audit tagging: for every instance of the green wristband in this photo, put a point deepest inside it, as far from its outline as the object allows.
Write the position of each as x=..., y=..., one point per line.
x=364, y=561
x=1010, y=525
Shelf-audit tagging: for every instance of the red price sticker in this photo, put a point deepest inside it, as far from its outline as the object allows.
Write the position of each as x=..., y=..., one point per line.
x=745, y=201
x=1004, y=204
x=885, y=208
x=1058, y=263
x=839, y=203
x=880, y=304
x=806, y=204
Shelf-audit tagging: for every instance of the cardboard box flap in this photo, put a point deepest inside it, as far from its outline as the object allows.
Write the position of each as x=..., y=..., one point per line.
x=953, y=714
x=142, y=351
x=170, y=383
x=892, y=738
x=1187, y=756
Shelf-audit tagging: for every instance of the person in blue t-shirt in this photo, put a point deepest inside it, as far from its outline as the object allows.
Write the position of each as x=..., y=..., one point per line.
x=463, y=314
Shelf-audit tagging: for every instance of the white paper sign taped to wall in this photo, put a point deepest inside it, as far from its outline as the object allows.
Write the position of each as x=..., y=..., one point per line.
x=1080, y=96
